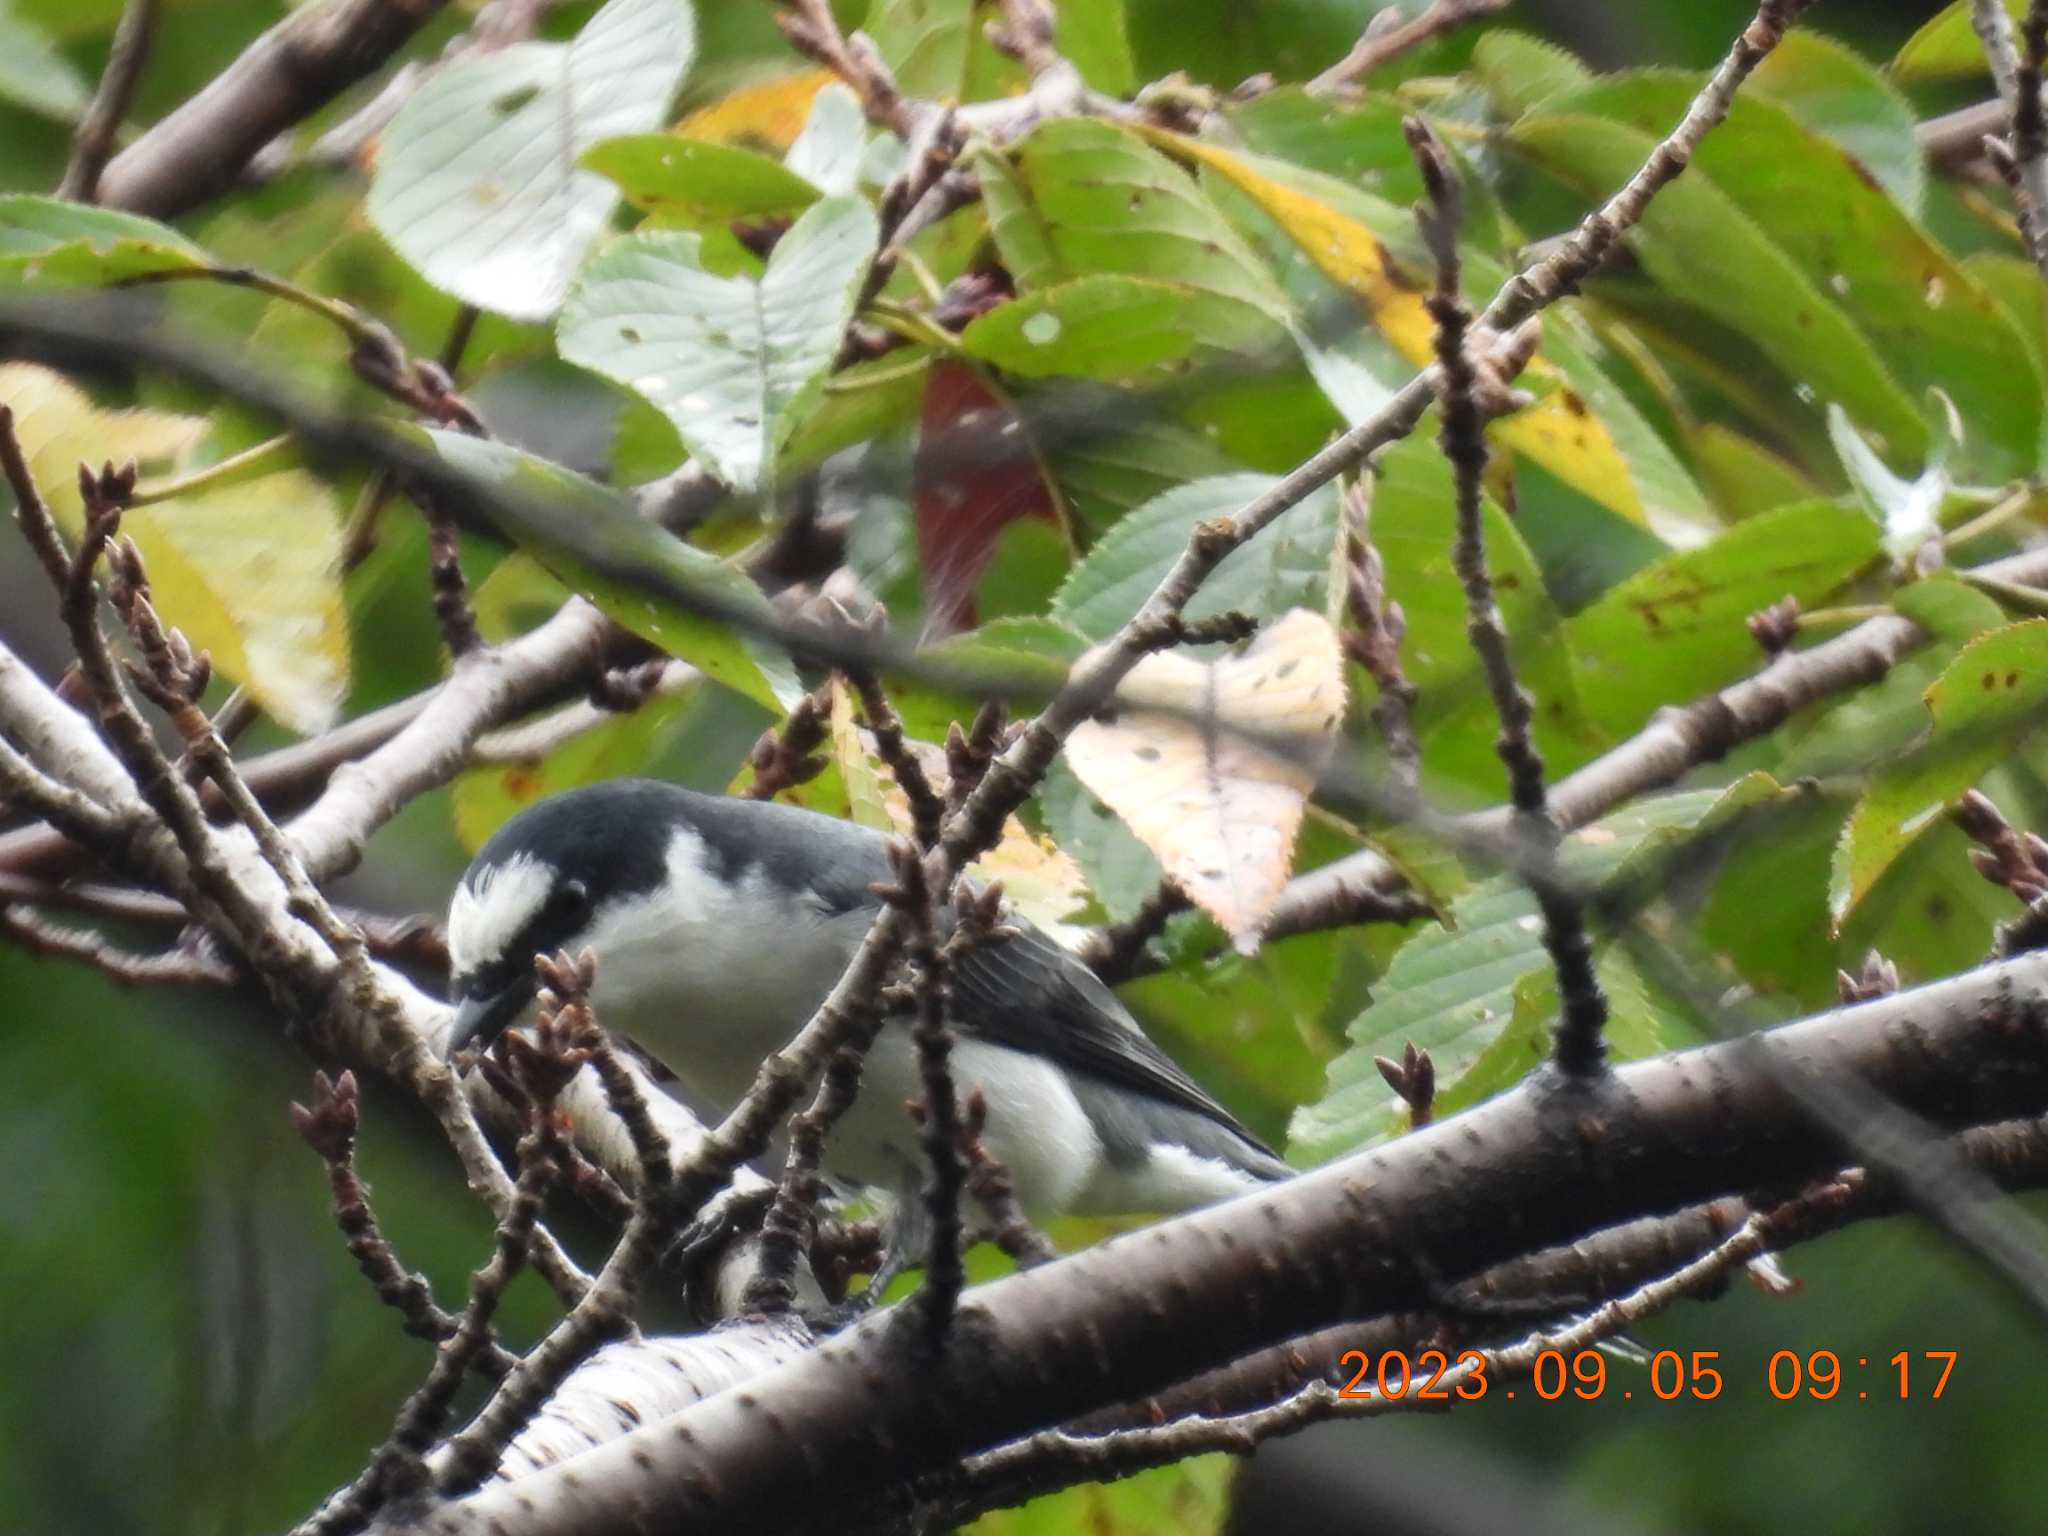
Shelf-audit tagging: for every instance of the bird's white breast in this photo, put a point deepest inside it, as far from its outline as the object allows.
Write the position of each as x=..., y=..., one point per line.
x=770, y=953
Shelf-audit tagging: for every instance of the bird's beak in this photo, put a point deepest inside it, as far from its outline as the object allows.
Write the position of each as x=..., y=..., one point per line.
x=479, y=1020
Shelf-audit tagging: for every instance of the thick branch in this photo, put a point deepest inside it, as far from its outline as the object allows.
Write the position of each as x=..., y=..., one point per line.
x=1539, y=1166
x=286, y=75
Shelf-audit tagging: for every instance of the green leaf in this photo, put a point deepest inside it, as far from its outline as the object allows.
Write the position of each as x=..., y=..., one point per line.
x=1412, y=526
x=1360, y=144
x=1922, y=315
x=591, y=538
x=1187, y=1498
x=1029, y=656
x=1101, y=327
x=1834, y=91
x=924, y=43
x=861, y=404
x=1931, y=913
x=828, y=152
x=1122, y=872
x=1454, y=991
x=1743, y=476
x=1671, y=504
x=1676, y=629
x=1946, y=47
x=1523, y=73
x=1081, y=197
x=1990, y=698
x=1346, y=234
x=1287, y=566
x=60, y=244
x=35, y=75
x=479, y=183
x=1636, y=1028
x=1699, y=245
x=695, y=181
x=1104, y=475
x=1090, y=35
x=733, y=363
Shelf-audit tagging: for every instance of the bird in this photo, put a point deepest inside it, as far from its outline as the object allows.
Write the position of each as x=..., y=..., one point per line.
x=719, y=924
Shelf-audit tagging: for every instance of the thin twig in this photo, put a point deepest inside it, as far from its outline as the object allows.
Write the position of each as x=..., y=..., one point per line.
x=1579, y=1049
x=996, y=1192
x=329, y=1126
x=787, y=754
x=605, y=1311
x=542, y=1066
x=2022, y=158
x=93, y=144
x=927, y=807
x=1373, y=638
x=1114, y=950
x=1389, y=35
x=451, y=591
x=172, y=967
x=787, y=1228
x=944, y=1275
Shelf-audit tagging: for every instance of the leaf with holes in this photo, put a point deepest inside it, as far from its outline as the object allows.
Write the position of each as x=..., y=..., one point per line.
x=1080, y=197
x=735, y=364
x=1102, y=327
x=1991, y=698
x=480, y=184
x=1184, y=760
x=1676, y=629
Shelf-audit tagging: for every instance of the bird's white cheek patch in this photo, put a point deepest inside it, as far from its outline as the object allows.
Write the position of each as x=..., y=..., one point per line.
x=483, y=920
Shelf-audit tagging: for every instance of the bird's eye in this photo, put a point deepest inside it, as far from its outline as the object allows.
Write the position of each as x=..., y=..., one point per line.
x=569, y=901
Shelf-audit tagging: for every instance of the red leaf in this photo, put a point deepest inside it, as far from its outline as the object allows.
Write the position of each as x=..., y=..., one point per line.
x=976, y=473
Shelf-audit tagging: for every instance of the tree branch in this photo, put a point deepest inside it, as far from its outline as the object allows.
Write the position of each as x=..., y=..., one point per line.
x=1363, y=1235
x=286, y=75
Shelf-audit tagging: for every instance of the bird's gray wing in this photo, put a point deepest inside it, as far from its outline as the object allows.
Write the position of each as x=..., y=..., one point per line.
x=1032, y=995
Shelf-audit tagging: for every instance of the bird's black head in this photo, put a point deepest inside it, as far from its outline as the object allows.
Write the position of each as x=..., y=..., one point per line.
x=535, y=886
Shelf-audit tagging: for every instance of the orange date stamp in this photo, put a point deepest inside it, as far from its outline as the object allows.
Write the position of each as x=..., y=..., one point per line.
x=1821, y=1375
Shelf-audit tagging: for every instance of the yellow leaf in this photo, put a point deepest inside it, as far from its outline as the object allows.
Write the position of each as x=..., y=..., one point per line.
x=1184, y=763
x=872, y=799
x=767, y=115
x=1558, y=431
x=1041, y=883
x=250, y=571
x=60, y=428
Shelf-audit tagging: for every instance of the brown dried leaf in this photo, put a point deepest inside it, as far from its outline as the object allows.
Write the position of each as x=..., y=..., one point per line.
x=1186, y=762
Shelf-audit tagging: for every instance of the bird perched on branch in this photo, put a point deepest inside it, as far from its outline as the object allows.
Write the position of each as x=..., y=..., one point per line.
x=719, y=925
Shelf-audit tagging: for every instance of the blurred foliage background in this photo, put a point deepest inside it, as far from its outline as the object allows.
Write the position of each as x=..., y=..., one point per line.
x=184, y=1345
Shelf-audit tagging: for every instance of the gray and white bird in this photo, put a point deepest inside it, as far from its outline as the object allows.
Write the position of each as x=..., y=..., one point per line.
x=719, y=925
